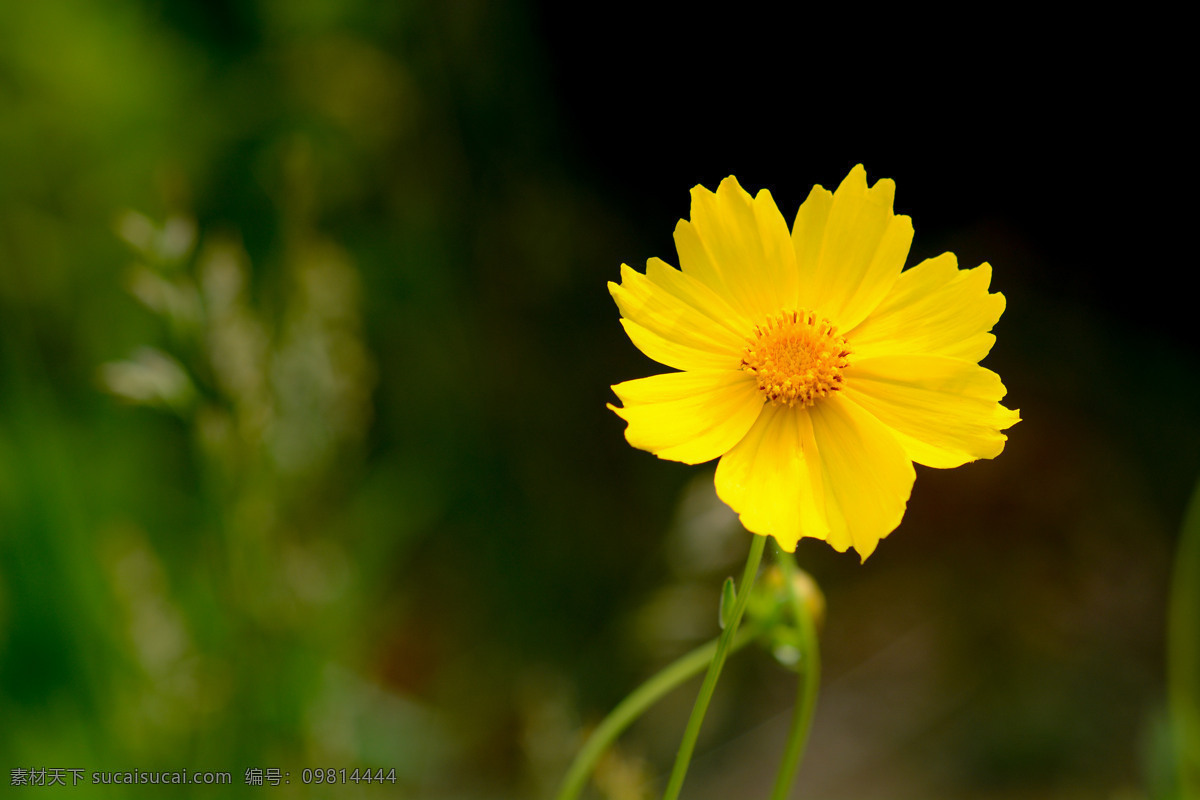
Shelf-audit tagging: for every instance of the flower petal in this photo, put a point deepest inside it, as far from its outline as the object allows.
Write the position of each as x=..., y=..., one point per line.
x=690, y=416
x=769, y=480
x=867, y=477
x=740, y=248
x=849, y=248
x=672, y=353
x=676, y=320
x=808, y=235
x=934, y=308
x=831, y=472
x=944, y=411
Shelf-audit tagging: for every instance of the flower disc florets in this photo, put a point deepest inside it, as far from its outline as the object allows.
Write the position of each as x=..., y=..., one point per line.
x=796, y=358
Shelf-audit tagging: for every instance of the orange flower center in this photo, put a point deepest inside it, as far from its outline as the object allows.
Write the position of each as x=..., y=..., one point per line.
x=796, y=358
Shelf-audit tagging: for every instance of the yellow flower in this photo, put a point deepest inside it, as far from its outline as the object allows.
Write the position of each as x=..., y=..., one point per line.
x=811, y=364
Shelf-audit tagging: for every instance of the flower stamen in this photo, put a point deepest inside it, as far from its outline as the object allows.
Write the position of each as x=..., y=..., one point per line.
x=796, y=357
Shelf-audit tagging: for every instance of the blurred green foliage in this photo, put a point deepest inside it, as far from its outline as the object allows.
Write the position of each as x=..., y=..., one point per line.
x=296, y=240
x=304, y=460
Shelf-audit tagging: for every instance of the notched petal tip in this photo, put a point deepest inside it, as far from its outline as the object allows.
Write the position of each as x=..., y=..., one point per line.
x=882, y=192
x=628, y=276
x=864, y=548
x=729, y=184
x=786, y=543
x=701, y=193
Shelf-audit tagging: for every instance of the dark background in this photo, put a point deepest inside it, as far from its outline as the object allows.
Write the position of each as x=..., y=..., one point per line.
x=409, y=534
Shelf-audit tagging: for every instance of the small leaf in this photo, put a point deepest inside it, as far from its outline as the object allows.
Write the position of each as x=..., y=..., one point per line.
x=728, y=598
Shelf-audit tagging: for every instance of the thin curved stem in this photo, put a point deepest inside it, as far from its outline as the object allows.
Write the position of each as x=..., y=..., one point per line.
x=809, y=681
x=684, y=757
x=656, y=687
x=1183, y=651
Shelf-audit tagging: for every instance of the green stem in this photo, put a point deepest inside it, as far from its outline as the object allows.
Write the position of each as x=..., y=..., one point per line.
x=692, y=732
x=633, y=706
x=806, y=695
x=1183, y=651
